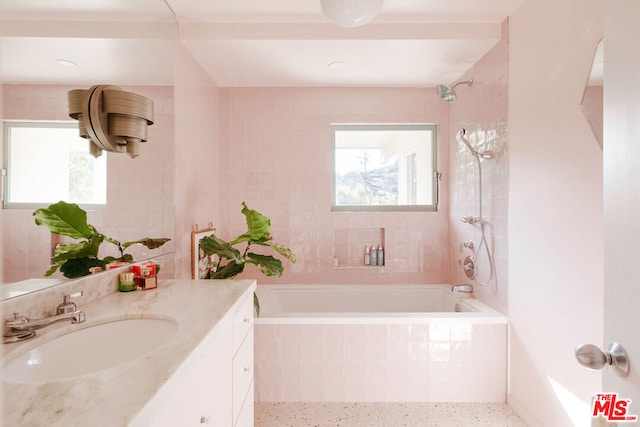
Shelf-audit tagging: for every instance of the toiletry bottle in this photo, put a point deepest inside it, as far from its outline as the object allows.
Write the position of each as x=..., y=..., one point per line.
x=380, y=255
x=374, y=255
x=126, y=282
x=367, y=255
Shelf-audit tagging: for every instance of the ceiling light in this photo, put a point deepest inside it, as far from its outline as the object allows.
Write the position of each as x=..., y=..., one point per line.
x=337, y=65
x=351, y=13
x=66, y=62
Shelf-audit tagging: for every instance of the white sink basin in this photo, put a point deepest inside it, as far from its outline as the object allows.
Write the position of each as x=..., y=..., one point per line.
x=90, y=350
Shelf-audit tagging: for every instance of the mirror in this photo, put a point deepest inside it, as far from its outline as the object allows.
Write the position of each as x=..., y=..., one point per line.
x=592, y=98
x=39, y=64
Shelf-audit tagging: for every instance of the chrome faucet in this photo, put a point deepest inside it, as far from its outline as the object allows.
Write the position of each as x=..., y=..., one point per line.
x=465, y=289
x=21, y=327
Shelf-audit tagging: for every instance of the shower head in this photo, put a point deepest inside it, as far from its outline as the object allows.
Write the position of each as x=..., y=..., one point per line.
x=480, y=155
x=447, y=94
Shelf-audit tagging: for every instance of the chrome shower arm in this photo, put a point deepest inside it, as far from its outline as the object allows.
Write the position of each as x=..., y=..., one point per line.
x=467, y=82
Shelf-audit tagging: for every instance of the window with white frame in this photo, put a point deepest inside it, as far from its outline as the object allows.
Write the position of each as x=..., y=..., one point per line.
x=384, y=167
x=45, y=162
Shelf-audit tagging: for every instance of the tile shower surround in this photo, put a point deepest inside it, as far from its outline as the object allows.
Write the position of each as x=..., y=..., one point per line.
x=486, y=129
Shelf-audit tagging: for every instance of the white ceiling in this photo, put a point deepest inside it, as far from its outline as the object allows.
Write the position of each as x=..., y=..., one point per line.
x=412, y=43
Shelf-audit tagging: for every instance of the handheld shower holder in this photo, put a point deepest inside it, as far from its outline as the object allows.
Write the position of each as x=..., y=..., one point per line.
x=487, y=154
x=471, y=220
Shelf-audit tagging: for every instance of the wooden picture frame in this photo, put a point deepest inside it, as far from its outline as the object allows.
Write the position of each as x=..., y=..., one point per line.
x=200, y=265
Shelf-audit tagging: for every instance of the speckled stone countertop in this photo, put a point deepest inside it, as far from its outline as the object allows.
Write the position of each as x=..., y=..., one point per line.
x=115, y=396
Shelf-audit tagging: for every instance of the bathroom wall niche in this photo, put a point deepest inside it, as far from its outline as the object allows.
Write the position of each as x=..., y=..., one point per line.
x=349, y=246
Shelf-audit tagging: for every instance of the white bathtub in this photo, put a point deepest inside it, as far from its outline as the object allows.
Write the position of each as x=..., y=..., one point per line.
x=337, y=303
x=393, y=343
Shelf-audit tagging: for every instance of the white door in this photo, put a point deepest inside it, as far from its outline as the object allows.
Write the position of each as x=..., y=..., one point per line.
x=622, y=193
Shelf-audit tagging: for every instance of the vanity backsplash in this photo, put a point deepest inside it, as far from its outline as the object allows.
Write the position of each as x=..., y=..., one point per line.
x=43, y=303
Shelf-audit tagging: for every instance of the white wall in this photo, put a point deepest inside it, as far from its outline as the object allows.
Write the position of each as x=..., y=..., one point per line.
x=555, y=212
x=197, y=155
x=621, y=189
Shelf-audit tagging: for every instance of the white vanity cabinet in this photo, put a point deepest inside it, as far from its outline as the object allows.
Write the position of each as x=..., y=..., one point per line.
x=214, y=386
x=198, y=394
x=243, y=362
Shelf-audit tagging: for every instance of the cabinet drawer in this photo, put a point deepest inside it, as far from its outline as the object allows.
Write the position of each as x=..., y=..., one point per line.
x=242, y=319
x=242, y=373
x=246, y=417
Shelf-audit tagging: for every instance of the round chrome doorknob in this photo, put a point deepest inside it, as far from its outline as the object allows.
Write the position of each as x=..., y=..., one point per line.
x=592, y=357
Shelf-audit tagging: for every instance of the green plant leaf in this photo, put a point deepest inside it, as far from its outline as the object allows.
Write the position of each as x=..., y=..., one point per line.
x=79, y=267
x=258, y=227
x=84, y=249
x=75, y=259
x=268, y=265
x=258, y=232
x=282, y=250
x=70, y=248
x=109, y=259
x=66, y=219
x=124, y=258
x=213, y=245
x=229, y=271
x=52, y=270
x=148, y=242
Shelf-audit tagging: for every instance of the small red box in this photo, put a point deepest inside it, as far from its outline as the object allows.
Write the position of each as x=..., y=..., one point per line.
x=144, y=269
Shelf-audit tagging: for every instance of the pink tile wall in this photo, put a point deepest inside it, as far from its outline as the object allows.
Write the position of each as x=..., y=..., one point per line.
x=482, y=110
x=139, y=191
x=425, y=362
x=197, y=156
x=278, y=160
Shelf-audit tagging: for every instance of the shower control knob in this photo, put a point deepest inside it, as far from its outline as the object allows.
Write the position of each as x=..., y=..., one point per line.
x=469, y=267
x=592, y=357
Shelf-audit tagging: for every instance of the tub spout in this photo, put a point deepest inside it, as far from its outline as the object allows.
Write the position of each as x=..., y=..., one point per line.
x=466, y=289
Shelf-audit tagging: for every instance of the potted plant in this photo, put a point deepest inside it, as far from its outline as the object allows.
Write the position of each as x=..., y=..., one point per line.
x=75, y=259
x=232, y=256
